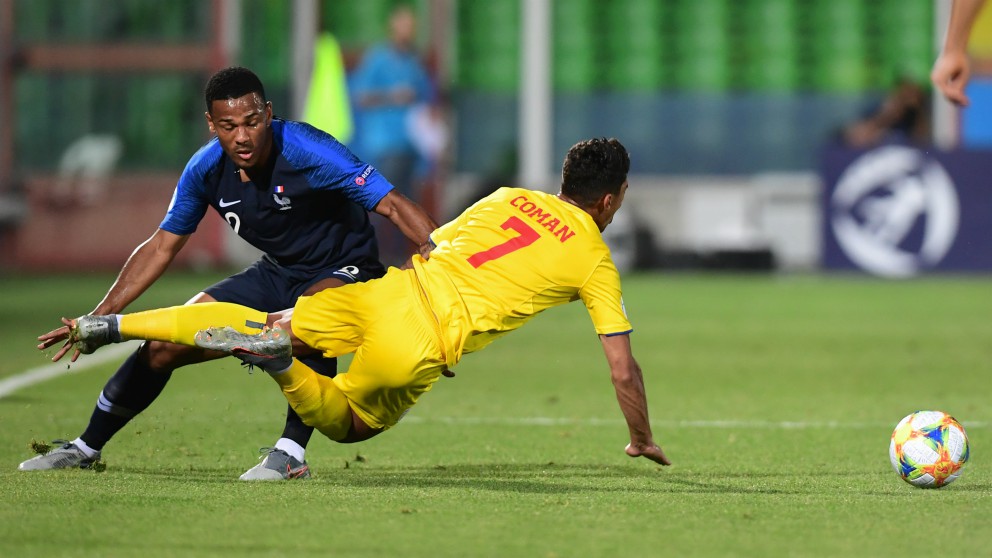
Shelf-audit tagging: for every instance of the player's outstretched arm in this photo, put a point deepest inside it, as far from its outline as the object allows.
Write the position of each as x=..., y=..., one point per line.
x=410, y=218
x=145, y=265
x=629, y=384
x=176, y=324
x=952, y=70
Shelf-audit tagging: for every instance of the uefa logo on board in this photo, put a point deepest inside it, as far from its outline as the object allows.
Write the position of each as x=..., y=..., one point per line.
x=895, y=212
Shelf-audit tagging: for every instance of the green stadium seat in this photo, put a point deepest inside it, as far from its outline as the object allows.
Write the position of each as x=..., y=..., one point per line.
x=340, y=17
x=489, y=45
x=634, y=45
x=574, y=61
x=701, y=46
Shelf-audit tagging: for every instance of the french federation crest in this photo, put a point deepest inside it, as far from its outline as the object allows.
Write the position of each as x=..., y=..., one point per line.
x=283, y=201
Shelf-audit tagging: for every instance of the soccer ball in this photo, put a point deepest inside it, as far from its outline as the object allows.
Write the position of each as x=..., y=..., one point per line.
x=928, y=449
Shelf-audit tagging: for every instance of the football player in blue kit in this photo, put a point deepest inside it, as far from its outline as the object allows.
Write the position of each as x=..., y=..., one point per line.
x=290, y=190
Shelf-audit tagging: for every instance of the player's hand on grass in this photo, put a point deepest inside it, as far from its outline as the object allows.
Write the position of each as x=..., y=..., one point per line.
x=950, y=75
x=651, y=451
x=55, y=336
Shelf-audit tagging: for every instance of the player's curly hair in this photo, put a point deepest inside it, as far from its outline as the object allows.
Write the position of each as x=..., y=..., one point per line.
x=231, y=83
x=593, y=168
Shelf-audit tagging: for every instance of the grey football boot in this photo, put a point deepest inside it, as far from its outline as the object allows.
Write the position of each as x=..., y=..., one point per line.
x=277, y=465
x=66, y=456
x=89, y=333
x=270, y=350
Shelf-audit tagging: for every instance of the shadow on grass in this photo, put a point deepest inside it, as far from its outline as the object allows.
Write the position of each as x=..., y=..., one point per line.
x=524, y=478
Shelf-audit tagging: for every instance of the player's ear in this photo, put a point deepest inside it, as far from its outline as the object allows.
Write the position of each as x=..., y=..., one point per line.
x=607, y=201
x=268, y=113
x=210, y=123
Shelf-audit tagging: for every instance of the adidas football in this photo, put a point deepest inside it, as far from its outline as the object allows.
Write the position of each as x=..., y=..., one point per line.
x=928, y=449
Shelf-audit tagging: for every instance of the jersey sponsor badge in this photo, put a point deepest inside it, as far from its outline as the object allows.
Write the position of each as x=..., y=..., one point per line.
x=362, y=178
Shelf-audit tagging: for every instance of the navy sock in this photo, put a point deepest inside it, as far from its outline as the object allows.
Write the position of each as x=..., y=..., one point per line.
x=295, y=430
x=128, y=392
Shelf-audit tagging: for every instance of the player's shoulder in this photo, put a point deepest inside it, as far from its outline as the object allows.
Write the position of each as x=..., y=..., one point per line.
x=507, y=193
x=303, y=145
x=205, y=161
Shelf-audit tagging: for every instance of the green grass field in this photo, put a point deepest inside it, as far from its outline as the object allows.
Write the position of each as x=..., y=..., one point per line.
x=774, y=396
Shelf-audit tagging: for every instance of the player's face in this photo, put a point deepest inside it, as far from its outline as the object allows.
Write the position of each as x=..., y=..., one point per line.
x=242, y=126
x=614, y=203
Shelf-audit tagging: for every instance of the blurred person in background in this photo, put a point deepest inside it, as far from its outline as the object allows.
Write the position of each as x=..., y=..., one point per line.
x=903, y=116
x=290, y=190
x=389, y=83
x=952, y=70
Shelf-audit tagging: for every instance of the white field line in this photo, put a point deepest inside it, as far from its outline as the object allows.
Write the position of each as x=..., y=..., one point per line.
x=47, y=372
x=713, y=424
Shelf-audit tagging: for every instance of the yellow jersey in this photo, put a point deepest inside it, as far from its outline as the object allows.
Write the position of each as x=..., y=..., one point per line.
x=511, y=256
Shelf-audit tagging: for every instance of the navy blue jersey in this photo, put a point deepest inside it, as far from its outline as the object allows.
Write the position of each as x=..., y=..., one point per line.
x=311, y=213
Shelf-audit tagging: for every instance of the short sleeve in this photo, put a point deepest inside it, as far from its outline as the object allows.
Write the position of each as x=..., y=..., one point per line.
x=602, y=297
x=329, y=165
x=448, y=231
x=189, y=200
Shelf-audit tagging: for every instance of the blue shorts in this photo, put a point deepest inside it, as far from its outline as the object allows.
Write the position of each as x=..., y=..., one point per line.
x=269, y=287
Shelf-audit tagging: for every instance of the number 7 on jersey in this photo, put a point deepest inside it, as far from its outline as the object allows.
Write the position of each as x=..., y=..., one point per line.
x=527, y=237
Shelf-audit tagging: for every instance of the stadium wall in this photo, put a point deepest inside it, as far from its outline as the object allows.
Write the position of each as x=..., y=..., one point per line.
x=62, y=232
x=761, y=221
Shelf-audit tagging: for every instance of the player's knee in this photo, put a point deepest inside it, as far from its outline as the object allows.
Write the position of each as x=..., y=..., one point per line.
x=166, y=357
x=330, y=419
x=326, y=409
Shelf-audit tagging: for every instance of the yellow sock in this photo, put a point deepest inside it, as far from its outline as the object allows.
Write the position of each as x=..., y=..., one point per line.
x=179, y=324
x=316, y=399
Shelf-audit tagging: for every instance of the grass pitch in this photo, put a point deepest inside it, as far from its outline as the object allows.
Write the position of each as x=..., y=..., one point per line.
x=774, y=396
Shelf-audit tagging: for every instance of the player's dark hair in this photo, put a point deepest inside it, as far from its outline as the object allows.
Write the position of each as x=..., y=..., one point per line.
x=593, y=168
x=231, y=83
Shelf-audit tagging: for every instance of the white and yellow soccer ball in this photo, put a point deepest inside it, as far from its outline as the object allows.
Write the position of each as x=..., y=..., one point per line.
x=928, y=449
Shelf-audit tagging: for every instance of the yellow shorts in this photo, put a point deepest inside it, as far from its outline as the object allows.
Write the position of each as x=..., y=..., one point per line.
x=396, y=340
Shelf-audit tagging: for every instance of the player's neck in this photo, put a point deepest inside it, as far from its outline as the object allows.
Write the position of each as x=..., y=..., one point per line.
x=594, y=211
x=567, y=199
x=261, y=172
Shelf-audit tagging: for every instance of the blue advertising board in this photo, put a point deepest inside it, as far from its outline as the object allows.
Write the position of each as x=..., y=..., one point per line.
x=899, y=211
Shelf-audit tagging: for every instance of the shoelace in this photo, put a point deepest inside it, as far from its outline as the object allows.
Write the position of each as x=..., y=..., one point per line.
x=265, y=451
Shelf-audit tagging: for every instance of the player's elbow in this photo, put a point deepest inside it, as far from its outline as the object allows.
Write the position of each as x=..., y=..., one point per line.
x=392, y=205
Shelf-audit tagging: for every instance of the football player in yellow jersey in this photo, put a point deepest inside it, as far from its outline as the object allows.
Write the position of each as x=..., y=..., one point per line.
x=507, y=258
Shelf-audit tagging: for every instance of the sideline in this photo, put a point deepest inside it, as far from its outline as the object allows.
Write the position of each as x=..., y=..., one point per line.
x=46, y=372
